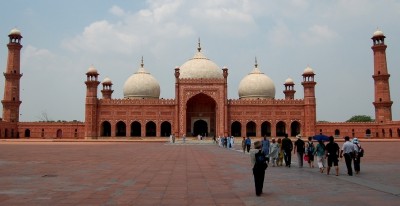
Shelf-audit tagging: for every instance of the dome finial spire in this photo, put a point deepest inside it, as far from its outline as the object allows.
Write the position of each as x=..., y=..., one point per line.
x=142, y=64
x=255, y=64
x=199, y=47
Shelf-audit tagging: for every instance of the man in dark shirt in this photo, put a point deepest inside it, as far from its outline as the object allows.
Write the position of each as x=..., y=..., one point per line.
x=332, y=153
x=287, y=147
x=299, y=148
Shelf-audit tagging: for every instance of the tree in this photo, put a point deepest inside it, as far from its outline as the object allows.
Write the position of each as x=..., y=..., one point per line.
x=360, y=118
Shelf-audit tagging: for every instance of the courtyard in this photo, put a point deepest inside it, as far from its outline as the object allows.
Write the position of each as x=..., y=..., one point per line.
x=195, y=173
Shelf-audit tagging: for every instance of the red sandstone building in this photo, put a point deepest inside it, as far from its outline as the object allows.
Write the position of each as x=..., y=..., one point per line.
x=200, y=105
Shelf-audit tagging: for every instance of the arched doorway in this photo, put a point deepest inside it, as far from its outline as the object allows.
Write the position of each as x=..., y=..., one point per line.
x=201, y=107
x=251, y=129
x=266, y=129
x=280, y=129
x=106, y=129
x=121, y=129
x=151, y=129
x=27, y=133
x=200, y=127
x=165, y=129
x=136, y=129
x=294, y=128
x=337, y=132
x=236, y=129
x=59, y=133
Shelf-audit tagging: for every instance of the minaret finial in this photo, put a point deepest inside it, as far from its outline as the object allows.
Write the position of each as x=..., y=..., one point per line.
x=142, y=64
x=199, y=47
x=255, y=64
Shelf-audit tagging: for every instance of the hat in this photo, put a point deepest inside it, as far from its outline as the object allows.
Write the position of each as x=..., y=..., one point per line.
x=298, y=136
x=257, y=144
x=355, y=140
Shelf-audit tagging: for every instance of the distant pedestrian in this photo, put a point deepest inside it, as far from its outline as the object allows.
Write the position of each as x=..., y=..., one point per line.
x=244, y=144
x=299, y=149
x=265, y=145
x=287, y=147
x=258, y=160
x=320, y=152
x=274, y=152
x=332, y=153
x=232, y=142
x=248, y=144
x=359, y=154
x=348, y=153
x=310, y=149
x=280, y=155
x=184, y=138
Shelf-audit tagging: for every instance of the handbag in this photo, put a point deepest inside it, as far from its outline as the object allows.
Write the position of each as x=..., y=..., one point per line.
x=306, y=158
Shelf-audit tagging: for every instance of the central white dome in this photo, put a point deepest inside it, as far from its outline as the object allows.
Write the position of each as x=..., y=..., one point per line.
x=256, y=85
x=200, y=67
x=141, y=85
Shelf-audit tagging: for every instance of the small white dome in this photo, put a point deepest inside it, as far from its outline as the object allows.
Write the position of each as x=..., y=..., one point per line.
x=308, y=70
x=141, y=85
x=289, y=81
x=256, y=85
x=92, y=69
x=378, y=32
x=107, y=81
x=200, y=67
x=15, y=31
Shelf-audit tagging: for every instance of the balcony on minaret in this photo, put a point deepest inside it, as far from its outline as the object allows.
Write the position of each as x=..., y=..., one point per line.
x=107, y=88
x=289, y=89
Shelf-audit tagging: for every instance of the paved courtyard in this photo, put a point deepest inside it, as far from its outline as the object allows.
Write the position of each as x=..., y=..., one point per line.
x=159, y=173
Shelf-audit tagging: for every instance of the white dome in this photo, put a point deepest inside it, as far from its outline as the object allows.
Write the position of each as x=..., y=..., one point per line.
x=308, y=70
x=200, y=67
x=92, y=69
x=378, y=33
x=256, y=85
x=15, y=31
x=107, y=81
x=141, y=85
x=289, y=81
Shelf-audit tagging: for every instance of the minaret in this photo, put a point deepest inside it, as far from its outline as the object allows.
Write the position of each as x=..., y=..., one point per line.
x=107, y=88
x=11, y=100
x=382, y=103
x=289, y=89
x=91, y=130
x=310, y=114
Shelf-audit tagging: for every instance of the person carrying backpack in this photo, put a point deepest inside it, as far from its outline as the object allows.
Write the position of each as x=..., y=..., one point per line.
x=259, y=162
x=310, y=148
x=359, y=153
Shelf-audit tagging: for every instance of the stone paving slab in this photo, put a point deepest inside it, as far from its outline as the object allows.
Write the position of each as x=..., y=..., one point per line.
x=194, y=173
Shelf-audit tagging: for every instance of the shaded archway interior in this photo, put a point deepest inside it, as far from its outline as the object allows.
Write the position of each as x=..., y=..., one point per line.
x=201, y=107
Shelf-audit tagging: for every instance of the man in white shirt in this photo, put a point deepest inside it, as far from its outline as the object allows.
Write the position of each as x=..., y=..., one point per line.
x=348, y=152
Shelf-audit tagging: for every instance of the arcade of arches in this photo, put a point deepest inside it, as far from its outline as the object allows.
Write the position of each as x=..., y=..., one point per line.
x=251, y=129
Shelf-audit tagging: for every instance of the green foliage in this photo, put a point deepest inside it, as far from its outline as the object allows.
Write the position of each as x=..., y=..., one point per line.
x=360, y=118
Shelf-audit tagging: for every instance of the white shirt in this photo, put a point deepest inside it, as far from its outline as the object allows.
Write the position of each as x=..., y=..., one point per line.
x=348, y=147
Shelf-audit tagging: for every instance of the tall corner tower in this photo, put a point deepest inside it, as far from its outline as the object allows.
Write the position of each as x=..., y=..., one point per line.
x=11, y=99
x=91, y=130
x=382, y=103
x=310, y=111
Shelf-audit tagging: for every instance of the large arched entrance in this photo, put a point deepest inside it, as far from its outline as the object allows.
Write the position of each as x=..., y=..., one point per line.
x=200, y=116
x=200, y=127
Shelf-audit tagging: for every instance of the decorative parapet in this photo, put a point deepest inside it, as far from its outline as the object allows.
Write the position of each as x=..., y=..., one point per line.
x=137, y=101
x=201, y=80
x=345, y=123
x=265, y=102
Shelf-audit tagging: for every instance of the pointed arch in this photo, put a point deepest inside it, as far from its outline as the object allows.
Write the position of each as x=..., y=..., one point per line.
x=105, y=129
x=136, y=129
x=120, y=129
x=280, y=129
x=236, y=129
x=251, y=129
x=151, y=129
x=266, y=129
x=165, y=129
x=27, y=133
x=59, y=133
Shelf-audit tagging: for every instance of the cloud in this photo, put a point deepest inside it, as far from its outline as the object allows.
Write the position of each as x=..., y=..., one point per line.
x=317, y=34
x=117, y=11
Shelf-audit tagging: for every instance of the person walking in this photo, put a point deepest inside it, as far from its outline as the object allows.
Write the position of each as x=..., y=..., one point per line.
x=248, y=144
x=244, y=144
x=299, y=148
x=265, y=145
x=310, y=149
x=332, y=153
x=274, y=152
x=287, y=147
x=258, y=160
x=359, y=154
x=348, y=153
x=280, y=155
x=184, y=138
x=320, y=153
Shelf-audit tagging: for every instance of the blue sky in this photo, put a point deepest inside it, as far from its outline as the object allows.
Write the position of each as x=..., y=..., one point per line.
x=62, y=39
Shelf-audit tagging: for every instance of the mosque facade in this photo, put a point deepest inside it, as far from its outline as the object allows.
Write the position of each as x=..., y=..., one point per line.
x=200, y=106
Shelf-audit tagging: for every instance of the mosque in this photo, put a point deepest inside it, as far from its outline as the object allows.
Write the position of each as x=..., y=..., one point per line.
x=200, y=106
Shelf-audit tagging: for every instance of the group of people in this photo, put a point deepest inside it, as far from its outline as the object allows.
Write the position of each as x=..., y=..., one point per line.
x=282, y=149
x=226, y=142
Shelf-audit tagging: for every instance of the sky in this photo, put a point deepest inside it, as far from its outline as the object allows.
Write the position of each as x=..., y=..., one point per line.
x=62, y=39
